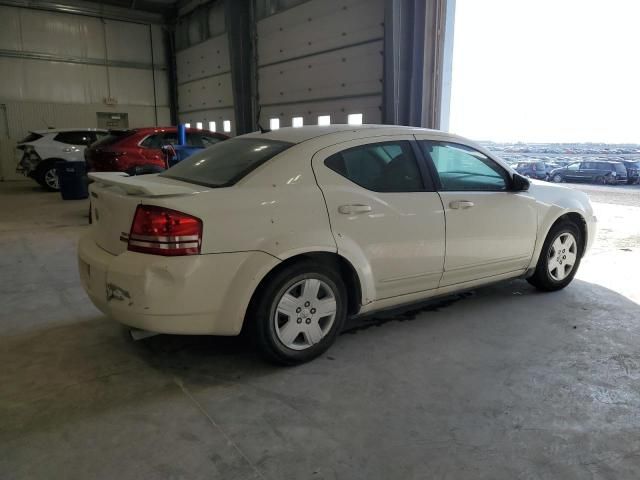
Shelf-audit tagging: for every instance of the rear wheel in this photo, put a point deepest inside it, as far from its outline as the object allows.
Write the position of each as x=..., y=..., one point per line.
x=559, y=259
x=299, y=313
x=47, y=177
x=600, y=181
x=557, y=178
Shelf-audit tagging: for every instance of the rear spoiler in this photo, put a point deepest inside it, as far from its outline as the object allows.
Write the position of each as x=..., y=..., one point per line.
x=139, y=185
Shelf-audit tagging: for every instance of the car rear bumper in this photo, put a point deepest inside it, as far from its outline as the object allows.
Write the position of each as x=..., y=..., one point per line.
x=199, y=294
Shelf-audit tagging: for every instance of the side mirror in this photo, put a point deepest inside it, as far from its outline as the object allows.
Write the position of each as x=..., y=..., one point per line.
x=519, y=183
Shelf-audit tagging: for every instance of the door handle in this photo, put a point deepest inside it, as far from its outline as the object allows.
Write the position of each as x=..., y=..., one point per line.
x=351, y=209
x=464, y=204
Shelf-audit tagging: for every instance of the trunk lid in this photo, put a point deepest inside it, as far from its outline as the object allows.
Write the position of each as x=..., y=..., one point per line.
x=114, y=198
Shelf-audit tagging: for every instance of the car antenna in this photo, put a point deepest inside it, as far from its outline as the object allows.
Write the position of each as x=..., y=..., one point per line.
x=262, y=129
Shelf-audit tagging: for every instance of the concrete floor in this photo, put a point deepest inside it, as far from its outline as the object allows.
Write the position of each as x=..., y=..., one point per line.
x=503, y=383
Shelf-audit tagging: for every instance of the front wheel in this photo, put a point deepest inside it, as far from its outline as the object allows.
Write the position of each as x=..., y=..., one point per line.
x=299, y=313
x=557, y=178
x=559, y=259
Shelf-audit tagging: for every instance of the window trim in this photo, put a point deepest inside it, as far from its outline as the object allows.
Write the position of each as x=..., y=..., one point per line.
x=506, y=174
x=427, y=181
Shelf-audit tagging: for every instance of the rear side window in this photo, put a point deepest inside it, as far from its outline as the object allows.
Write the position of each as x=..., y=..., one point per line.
x=380, y=167
x=75, y=138
x=620, y=168
x=113, y=136
x=32, y=137
x=197, y=139
x=226, y=162
x=159, y=140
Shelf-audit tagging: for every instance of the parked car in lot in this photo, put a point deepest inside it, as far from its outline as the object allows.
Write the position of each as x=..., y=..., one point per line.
x=633, y=171
x=285, y=234
x=125, y=150
x=41, y=149
x=538, y=170
x=600, y=172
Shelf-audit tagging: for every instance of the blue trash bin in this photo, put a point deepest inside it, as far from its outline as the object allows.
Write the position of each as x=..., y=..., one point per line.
x=72, y=180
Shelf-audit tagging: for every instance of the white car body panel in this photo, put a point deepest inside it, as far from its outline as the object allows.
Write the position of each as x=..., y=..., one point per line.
x=370, y=239
x=407, y=248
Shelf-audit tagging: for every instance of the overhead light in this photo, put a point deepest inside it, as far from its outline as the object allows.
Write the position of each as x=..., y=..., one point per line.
x=324, y=120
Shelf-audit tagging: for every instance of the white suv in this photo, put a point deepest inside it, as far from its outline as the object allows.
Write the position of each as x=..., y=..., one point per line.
x=41, y=149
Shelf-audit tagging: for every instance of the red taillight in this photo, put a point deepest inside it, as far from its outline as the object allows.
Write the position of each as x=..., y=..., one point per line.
x=162, y=231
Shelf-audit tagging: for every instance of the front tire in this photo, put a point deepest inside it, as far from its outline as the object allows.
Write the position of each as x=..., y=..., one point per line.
x=299, y=313
x=559, y=258
x=557, y=178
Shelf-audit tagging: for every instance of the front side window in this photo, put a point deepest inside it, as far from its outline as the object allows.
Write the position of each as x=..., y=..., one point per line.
x=226, y=162
x=573, y=167
x=381, y=167
x=461, y=168
x=152, y=141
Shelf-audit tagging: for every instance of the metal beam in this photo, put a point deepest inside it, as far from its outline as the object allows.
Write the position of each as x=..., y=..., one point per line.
x=79, y=60
x=89, y=9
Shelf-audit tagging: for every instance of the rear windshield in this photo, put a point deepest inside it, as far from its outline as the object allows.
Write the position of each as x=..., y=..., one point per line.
x=112, y=137
x=226, y=162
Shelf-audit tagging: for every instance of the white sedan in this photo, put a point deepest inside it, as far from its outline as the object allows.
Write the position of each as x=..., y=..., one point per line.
x=287, y=233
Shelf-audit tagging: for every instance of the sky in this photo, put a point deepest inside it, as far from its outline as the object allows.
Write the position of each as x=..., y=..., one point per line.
x=547, y=70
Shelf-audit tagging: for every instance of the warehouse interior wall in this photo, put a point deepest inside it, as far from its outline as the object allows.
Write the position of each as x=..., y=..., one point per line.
x=60, y=69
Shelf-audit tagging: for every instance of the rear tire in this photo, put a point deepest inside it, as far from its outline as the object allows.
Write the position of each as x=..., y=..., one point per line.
x=298, y=314
x=562, y=248
x=46, y=176
x=600, y=181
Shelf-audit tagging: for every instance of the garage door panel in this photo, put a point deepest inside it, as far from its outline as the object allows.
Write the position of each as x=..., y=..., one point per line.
x=317, y=26
x=369, y=106
x=212, y=92
x=218, y=115
x=347, y=72
x=204, y=59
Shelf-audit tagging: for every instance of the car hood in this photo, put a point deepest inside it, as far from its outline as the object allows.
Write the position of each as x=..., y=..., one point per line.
x=560, y=195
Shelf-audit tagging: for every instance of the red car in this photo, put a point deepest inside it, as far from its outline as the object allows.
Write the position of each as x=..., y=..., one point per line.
x=125, y=150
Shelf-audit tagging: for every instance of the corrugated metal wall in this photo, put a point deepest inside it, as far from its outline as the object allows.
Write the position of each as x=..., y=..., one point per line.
x=322, y=57
x=204, y=74
x=58, y=69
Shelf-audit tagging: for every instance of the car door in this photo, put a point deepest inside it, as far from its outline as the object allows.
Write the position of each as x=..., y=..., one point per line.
x=572, y=172
x=385, y=215
x=490, y=230
x=587, y=171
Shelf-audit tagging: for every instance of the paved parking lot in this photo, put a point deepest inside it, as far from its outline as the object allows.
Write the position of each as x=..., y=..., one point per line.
x=504, y=382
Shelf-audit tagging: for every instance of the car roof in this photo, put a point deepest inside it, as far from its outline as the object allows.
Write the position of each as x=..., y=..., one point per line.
x=146, y=130
x=64, y=130
x=332, y=132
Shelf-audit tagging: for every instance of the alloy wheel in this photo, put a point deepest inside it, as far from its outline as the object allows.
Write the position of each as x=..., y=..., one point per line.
x=51, y=179
x=562, y=256
x=305, y=313
x=557, y=178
